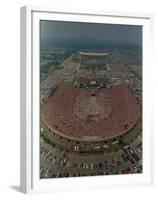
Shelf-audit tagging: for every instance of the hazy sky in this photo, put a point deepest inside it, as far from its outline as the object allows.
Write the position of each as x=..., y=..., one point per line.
x=77, y=33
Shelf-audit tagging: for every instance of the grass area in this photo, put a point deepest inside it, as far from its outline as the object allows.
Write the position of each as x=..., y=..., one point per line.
x=55, y=61
x=48, y=141
x=51, y=69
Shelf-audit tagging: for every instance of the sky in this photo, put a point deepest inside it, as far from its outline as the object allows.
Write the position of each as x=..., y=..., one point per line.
x=79, y=34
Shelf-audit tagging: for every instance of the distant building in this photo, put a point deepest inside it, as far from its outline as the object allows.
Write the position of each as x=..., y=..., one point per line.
x=94, y=60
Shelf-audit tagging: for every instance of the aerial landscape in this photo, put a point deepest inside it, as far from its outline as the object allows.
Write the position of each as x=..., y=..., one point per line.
x=90, y=99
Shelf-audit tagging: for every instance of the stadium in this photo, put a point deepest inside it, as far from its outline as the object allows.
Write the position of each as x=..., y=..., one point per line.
x=86, y=114
x=93, y=58
x=93, y=111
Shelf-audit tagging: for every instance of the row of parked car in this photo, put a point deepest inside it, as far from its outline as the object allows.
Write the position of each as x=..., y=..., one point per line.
x=110, y=166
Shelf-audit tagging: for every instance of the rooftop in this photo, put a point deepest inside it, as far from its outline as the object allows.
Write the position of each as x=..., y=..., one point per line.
x=93, y=53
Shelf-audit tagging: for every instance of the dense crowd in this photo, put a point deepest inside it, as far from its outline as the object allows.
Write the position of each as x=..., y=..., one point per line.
x=59, y=112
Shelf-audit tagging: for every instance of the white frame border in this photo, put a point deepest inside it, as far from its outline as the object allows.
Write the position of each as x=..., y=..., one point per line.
x=30, y=183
